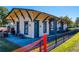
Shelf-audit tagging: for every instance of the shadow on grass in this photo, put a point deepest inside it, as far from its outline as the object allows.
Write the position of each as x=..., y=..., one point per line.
x=6, y=46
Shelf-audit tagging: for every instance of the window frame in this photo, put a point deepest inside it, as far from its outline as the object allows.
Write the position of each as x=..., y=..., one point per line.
x=25, y=23
x=45, y=27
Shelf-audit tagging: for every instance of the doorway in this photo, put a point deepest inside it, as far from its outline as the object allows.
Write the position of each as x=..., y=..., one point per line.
x=36, y=28
x=17, y=27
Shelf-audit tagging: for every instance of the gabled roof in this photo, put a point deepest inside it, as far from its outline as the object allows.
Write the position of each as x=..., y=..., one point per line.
x=32, y=14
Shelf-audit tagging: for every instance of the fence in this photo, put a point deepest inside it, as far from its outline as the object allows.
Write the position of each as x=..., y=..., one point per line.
x=60, y=38
x=38, y=42
x=41, y=44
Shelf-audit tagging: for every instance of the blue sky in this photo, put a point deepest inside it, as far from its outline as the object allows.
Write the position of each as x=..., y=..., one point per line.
x=71, y=11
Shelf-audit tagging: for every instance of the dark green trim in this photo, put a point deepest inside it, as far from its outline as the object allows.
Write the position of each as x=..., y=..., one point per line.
x=17, y=27
x=36, y=16
x=16, y=15
x=36, y=28
x=52, y=30
x=21, y=13
x=46, y=18
x=45, y=27
x=12, y=19
x=30, y=10
x=26, y=24
x=9, y=13
x=36, y=11
x=29, y=15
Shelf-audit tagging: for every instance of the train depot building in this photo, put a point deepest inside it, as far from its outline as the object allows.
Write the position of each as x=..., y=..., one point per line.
x=33, y=23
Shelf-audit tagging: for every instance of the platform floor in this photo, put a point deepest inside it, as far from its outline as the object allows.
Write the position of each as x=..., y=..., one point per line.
x=20, y=41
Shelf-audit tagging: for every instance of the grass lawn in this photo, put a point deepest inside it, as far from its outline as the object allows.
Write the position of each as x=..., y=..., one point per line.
x=70, y=45
x=75, y=48
x=7, y=46
x=71, y=29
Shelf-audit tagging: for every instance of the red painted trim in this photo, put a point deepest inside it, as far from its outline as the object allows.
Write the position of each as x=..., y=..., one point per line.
x=28, y=47
x=45, y=42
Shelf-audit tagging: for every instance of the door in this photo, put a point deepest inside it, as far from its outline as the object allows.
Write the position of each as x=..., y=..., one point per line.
x=52, y=27
x=17, y=27
x=36, y=28
x=45, y=27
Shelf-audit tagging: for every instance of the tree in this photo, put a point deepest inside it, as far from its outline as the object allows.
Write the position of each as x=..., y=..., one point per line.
x=3, y=13
x=77, y=21
x=67, y=20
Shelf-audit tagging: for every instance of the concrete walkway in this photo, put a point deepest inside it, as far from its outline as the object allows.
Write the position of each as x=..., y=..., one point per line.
x=20, y=41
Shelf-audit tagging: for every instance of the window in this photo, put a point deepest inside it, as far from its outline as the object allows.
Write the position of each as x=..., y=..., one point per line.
x=25, y=27
x=44, y=27
x=52, y=25
x=18, y=27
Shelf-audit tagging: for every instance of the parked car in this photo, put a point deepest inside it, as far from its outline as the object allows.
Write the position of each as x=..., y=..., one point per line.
x=4, y=31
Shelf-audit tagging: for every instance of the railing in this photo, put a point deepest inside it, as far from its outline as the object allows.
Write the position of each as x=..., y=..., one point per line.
x=41, y=44
x=56, y=36
x=32, y=45
x=59, y=38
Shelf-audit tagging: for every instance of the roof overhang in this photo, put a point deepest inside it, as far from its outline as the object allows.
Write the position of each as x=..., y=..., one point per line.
x=15, y=12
